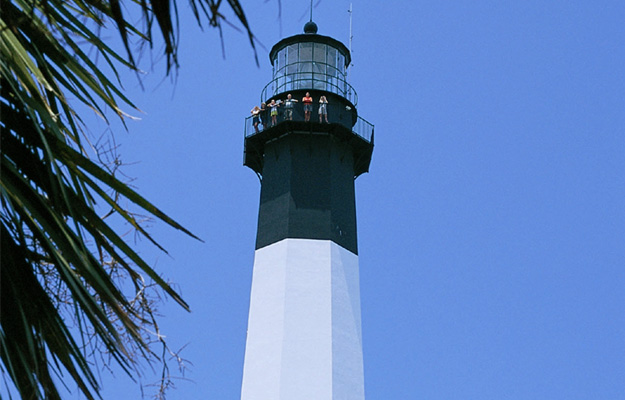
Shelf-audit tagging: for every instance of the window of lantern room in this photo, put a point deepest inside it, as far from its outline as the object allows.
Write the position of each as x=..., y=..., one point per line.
x=305, y=65
x=292, y=54
x=319, y=66
x=331, y=71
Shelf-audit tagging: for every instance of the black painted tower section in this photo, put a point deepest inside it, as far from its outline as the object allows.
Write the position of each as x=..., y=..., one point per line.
x=307, y=190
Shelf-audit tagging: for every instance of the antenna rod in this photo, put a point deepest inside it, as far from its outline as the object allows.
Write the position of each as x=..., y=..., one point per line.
x=351, y=36
x=311, y=7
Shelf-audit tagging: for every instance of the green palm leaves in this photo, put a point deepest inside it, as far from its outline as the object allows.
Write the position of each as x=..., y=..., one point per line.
x=60, y=258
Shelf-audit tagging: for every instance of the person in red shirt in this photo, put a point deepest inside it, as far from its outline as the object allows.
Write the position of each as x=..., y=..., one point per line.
x=307, y=100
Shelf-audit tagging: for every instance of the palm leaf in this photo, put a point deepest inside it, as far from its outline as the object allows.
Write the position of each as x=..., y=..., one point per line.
x=53, y=240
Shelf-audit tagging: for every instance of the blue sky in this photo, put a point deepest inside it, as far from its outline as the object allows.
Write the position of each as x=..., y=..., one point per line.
x=491, y=224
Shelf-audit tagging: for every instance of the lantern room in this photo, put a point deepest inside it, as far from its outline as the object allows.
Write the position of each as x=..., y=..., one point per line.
x=310, y=61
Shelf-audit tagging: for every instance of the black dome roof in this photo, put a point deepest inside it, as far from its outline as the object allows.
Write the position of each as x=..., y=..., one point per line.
x=310, y=27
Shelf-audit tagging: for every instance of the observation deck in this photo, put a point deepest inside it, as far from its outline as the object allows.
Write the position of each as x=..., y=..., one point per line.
x=343, y=123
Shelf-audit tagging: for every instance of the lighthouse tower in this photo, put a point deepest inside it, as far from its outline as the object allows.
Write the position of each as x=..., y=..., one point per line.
x=304, y=338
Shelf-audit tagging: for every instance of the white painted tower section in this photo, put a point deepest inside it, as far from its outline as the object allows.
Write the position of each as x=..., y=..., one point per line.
x=304, y=339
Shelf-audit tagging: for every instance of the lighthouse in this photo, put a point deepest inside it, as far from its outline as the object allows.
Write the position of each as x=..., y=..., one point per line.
x=304, y=339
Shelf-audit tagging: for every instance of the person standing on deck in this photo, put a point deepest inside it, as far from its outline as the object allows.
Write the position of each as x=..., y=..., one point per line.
x=288, y=107
x=307, y=100
x=323, y=108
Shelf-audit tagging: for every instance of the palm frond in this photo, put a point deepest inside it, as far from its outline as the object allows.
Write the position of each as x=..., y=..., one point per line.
x=56, y=249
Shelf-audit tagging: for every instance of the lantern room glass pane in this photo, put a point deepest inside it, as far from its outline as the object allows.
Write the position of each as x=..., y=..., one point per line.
x=305, y=51
x=340, y=62
x=280, y=84
x=331, y=61
x=305, y=77
x=319, y=66
x=279, y=63
x=319, y=55
x=291, y=69
x=319, y=76
x=292, y=54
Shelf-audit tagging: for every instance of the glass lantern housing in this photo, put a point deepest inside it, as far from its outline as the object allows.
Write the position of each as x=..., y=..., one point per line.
x=309, y=62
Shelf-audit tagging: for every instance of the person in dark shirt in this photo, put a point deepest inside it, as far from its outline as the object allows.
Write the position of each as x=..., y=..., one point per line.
x=263, y=115
x=288, y=107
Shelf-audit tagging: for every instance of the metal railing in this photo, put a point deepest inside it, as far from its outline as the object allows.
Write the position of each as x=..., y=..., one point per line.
x=309, y=80
x=337, y=114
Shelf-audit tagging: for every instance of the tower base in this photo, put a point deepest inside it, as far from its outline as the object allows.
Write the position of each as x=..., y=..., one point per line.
x=304, y=338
